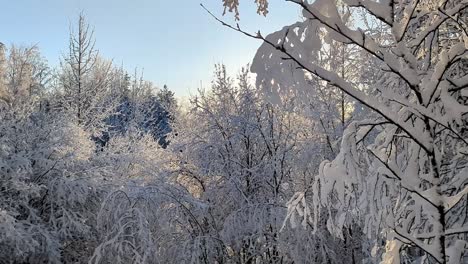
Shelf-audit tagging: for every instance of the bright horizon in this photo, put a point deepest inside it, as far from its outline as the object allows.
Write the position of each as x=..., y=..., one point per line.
x=173, y=44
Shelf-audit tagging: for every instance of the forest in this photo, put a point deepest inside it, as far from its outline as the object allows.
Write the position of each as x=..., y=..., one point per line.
x=344, y=141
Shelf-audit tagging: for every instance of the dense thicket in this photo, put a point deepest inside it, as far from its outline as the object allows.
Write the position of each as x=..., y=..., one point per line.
x=68, y=138
x=351, y=147
x=400, y=172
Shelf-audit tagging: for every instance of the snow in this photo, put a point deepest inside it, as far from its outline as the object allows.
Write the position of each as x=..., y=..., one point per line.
x=351, y=145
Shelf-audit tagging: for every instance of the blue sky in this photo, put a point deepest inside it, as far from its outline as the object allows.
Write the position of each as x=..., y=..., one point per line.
x=175, y=42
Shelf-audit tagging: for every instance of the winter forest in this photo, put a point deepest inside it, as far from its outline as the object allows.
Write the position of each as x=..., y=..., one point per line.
x=344, y=141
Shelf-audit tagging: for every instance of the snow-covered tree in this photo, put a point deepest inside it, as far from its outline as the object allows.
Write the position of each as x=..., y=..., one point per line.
x=46, y=197
x=142, y=107
x=407, y=187
x=85, y=81
x=57, y=181
x=243, y=157
x=3, y=89
x=25, y=73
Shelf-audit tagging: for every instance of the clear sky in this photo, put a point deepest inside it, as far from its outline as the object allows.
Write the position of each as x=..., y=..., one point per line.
x=175, y=41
